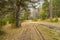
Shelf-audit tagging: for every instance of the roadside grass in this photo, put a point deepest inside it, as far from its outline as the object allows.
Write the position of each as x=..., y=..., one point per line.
x=13, y=33
x=48, y=22
x=10, y=33
x=49, y=34
x=2, y=34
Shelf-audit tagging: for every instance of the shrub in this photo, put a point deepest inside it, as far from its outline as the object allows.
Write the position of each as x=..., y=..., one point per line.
x=56, y=20
x=2, y=32
x=3, y=22
x=43, y=16
x=11, y=18
x=35, y=19
x=51, y=20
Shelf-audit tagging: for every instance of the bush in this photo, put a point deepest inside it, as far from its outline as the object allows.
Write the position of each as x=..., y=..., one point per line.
x=2, y=32
x=11, y=18
x=35, y=19
x=3, y=22
x=22, y=19
x=56, y=20
x=43, y=16
x=51, y=20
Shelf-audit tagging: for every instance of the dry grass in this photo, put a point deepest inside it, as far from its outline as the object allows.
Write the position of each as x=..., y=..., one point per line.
x=14, y=33
x=47, y=22
x=50, y=34
x=10, y=33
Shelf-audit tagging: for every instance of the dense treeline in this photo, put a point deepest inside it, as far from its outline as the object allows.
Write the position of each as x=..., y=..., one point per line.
x=51, y=8
x=56, y=8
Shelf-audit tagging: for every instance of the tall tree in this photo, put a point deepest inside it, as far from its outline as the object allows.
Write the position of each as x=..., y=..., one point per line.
x=56, y=8
x=17, y=5
x=50, y=8
x=45, y=8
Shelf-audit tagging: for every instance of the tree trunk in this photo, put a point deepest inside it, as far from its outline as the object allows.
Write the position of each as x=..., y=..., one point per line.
x=50, y=7
x=17, y=13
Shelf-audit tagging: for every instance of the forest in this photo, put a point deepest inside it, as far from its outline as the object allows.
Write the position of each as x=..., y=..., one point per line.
x=29, y=19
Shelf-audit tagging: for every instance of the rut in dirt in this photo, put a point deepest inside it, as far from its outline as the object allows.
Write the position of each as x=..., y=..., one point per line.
x=31, y=33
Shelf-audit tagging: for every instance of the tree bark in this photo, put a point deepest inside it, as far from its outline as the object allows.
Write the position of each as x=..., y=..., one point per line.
x=17, y=13
x=50, y=7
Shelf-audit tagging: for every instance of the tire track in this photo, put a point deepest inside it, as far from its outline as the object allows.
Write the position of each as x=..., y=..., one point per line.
x=40, y=33
x=31, y=33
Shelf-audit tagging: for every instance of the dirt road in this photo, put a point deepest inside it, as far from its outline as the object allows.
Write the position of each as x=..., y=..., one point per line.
x=47, y=24
x=30, y=33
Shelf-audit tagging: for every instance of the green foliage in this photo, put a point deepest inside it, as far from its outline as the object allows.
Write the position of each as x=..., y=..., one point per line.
x=24, y=15
x=45, y=7
x=56, y=7
x=35, y=19
x=54, y=20
x=51, y=20
x=14, y=6
x=22, y=18
x=11, y=18
x=3, y=22
x=43, y=16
